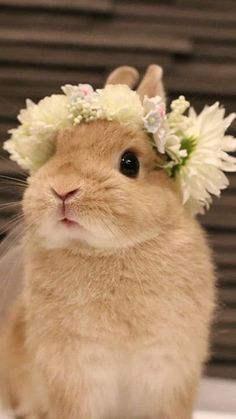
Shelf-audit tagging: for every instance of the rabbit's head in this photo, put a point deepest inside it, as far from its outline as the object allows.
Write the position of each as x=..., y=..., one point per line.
x=101, y=187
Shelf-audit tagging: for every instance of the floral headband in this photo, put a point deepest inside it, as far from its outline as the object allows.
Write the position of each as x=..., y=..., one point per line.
x=193, y=148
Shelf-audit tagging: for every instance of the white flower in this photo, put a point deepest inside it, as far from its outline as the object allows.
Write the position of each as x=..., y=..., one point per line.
x=50, y=112
x=177, y=122
x=153, y=103
x=154, y=113
x=83, y=103
x=121, y=104
x=202, y=173
x=174, y=150
x=152, y=121
x=32, y=142
x=81, y=90
x=160, y=137
x=154, y=117
x=179, y=105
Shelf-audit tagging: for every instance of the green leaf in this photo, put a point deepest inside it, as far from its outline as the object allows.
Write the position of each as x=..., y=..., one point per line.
x=188, y=144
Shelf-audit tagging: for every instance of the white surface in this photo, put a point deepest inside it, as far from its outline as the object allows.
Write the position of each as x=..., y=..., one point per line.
x=216, y=395
x=213, y=415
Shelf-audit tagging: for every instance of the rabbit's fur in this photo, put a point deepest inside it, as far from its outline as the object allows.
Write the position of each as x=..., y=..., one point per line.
x=114, y=318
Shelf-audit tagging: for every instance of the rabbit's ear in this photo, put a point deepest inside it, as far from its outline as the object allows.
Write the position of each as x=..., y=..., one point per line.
x=152, y=85
x=123, y=75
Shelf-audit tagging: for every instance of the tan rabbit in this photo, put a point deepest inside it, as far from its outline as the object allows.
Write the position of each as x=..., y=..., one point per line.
x=113, y=321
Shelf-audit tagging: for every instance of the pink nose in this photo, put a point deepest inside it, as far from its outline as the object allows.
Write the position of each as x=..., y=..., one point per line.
x=66, y=195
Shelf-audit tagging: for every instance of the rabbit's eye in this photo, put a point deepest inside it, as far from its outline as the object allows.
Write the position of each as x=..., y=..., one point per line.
x=129, y=164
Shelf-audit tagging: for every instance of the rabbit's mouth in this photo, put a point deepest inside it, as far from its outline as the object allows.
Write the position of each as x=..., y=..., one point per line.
x=69, y=223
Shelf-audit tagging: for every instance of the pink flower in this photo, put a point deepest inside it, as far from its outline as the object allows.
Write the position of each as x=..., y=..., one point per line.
x=154, y=103
x=154, y=113
x=80, y=91
x=84, y=90
x=152, y=121
x=162, y=110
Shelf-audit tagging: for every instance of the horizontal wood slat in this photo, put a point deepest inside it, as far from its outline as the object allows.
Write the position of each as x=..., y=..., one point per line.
x=39, y=19
x=97, y=38
x=227, y=274
x=202, y=85
x=70, y=57
x=221, y=215
x=228, y=297
x=173, y=13
x=81, y=5
x=221, y=369
x=212, y=52
x=220, y=5
x=196, y=31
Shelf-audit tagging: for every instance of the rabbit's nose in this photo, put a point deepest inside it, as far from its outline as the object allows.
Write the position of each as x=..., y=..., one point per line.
x=66, y=195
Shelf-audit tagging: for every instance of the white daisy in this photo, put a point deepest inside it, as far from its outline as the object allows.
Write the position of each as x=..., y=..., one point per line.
x=201, y=175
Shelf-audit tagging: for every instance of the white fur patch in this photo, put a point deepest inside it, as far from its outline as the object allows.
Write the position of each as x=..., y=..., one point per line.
x=95, y=234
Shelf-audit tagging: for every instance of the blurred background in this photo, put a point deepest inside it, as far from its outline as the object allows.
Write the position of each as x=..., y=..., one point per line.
x=47, y=43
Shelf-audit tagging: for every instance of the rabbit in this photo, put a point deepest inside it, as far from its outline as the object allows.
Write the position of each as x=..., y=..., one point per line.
x=119, y=292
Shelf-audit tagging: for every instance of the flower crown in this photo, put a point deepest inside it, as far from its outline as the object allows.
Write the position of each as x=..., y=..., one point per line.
x=193, y=148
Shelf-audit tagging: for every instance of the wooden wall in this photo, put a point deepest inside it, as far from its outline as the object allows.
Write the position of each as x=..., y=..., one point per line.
x=46, y=43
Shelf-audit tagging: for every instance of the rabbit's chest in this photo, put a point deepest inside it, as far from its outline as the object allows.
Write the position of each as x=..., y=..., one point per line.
x=105, y=299
x=114, y=308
